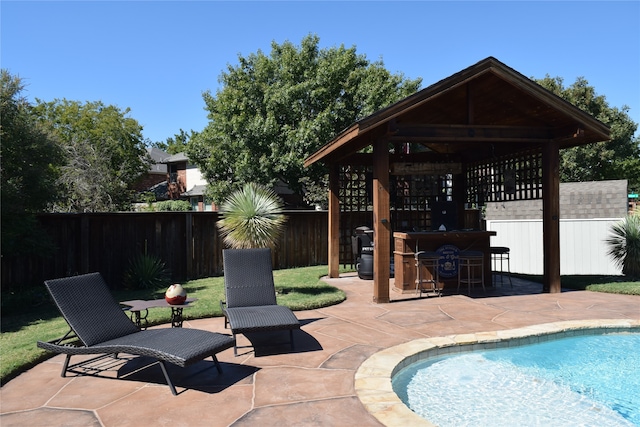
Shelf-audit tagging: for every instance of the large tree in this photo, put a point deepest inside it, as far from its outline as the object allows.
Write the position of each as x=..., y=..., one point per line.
x=618, y=158
x=175, y=144
x=104, y=149
x=273, y=111
x=30, y=167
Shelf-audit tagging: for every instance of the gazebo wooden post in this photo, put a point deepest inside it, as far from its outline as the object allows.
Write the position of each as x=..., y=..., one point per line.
x=381, y=222
x=551, y=217
x=334, y=222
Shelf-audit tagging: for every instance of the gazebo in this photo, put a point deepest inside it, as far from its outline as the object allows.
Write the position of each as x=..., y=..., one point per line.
x=486, y=133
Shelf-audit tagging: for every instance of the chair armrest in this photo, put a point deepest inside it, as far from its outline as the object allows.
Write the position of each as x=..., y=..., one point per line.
x=226, y=320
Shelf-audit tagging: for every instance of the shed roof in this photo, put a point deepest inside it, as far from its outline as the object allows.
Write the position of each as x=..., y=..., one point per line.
x=484, y=110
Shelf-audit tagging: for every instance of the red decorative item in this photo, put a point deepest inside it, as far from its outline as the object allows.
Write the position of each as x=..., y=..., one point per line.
x=175, y=295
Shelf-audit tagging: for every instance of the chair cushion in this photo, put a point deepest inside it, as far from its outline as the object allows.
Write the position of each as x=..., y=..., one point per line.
x=180, y=346
x=261, y=318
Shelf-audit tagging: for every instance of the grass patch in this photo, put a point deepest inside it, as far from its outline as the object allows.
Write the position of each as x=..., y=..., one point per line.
x=31, y=316
x=594, y=283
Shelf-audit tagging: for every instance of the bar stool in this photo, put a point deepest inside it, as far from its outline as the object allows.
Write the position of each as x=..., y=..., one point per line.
x=501, y=254
x=429, y=261
x=471, y=261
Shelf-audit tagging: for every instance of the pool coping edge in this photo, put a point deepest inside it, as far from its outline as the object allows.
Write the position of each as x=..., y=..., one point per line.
x=373, y=377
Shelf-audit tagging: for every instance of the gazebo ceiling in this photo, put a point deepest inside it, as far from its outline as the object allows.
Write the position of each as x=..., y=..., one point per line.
x=485, y=110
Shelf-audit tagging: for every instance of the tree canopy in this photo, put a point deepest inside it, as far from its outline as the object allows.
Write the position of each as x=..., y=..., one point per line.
x=104, y=153
x=175, y=144
x=618, y=158
x=31, y=161
x=274, y=111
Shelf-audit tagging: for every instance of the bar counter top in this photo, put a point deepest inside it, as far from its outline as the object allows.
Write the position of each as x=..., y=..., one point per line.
x=415, y=235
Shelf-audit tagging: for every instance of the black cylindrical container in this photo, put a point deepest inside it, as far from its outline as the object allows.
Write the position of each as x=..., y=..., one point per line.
x=364, y=261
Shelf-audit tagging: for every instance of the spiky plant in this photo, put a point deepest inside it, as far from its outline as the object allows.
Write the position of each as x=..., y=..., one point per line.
x=624, y=245
x=146, y=271
x=251, y=218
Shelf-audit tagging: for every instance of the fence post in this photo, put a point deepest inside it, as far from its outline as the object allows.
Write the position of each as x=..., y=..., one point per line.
x=189, y=244
x=84, y=243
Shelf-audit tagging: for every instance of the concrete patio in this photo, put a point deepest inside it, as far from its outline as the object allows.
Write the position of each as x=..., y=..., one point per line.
x=313, y=385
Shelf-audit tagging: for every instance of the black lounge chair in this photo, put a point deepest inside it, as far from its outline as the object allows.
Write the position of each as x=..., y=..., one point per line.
x=100, y=326
x=250, y=294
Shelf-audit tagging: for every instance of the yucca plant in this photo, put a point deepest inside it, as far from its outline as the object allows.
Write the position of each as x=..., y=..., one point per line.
x=624, y=245
x=146, y=271
x=251, y=218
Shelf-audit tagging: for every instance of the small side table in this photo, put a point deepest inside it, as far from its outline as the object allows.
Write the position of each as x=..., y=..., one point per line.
x=137, y=305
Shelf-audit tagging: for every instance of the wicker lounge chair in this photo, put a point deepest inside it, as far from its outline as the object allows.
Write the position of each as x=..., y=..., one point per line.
x=100, y=326
x=250, y=293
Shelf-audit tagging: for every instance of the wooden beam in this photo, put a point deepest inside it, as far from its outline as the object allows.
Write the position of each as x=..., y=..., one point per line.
x=425, y=168
x=381, y=222
x=358, y=159
x=469, y=133
x=334, y=222
x=551, y=217
x=569, y=133
x=470, y=104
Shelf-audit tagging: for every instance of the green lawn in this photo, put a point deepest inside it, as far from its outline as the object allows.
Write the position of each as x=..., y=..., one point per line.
x=27, y=319
x=595, y=283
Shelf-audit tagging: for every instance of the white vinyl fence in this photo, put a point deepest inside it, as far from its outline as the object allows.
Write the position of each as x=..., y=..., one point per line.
x=582, y=245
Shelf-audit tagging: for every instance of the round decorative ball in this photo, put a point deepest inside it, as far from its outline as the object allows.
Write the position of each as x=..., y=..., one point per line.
x=175, y=295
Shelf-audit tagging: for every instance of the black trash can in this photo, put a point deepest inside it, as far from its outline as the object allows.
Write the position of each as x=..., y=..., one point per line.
x=364, y=252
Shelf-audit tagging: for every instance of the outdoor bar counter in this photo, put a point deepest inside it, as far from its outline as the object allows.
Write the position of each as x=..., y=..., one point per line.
x=405, y=244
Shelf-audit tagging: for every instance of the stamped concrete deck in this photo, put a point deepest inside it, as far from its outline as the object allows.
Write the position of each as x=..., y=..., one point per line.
x=313, y=385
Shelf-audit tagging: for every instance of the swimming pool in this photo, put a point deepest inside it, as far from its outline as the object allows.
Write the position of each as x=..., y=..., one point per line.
x=373, y=381
x=590, y=380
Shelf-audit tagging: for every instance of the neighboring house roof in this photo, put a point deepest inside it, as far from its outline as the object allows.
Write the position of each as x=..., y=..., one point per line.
x=178, y=157
x=593, y=199
x=196, y=190
x=161, y=190
x=158, y=156
x=199, y=189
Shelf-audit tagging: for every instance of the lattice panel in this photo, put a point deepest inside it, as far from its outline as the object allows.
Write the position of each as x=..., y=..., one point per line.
x=410, y=198
x=505, y=179
x=499, y=179
x=355, y=189
x=356, y=206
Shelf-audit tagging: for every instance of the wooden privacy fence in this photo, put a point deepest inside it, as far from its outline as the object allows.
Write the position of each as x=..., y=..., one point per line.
x=187, y=242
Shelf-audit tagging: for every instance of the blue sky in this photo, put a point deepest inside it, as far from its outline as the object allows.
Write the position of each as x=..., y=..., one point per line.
x=157, y=57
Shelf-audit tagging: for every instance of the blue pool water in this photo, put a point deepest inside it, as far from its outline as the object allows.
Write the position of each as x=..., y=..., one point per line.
x=591, y=380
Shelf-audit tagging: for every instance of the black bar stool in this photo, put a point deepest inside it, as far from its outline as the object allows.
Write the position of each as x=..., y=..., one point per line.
x=470, y=262
x=427, y=261
x=501, y=254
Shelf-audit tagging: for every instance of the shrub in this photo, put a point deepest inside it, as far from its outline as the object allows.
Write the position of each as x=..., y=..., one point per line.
x=251, y=218
x=624, y=245
x=146, y=272
x=173, y=205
